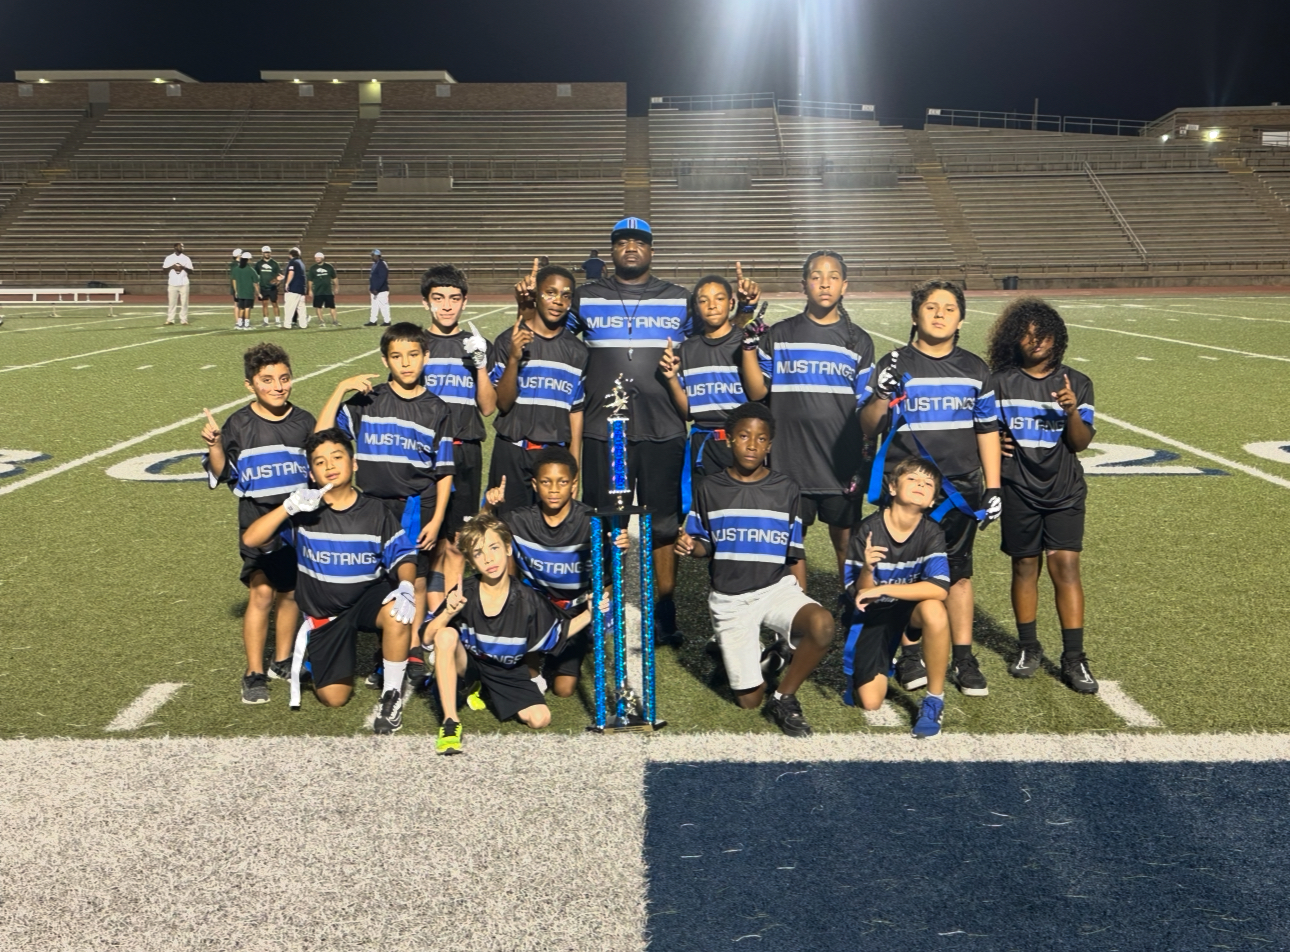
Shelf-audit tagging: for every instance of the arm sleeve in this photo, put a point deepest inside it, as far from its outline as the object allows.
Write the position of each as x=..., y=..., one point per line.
x=864, y=371
x=396, y=547
x=696, y=522
x=985, y=411
x=936, y=568
x=498, y=353
x=579, y=391
x=232, y=450
x=855, y=561
x=766, y=358
x=1084, y=393
x=574, y=321
x=350, y=418
x=444, y=464
x=548, y=630
x=796, y=543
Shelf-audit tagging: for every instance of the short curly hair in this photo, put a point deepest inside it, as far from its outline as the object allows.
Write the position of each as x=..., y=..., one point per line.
x=1015, y=322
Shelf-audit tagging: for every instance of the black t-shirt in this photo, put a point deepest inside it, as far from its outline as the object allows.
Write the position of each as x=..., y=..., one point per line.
x=752, y=530
x=709, y=376
x=450, y=376
x=817, y=374
x=627, y=327
x=554, y=560
x=402, y=445
x=527, y=623
x=948, y=402
x=920, y=558
x=1043, y=469
x=550, y=385
x=340, y=553
x=594, y=268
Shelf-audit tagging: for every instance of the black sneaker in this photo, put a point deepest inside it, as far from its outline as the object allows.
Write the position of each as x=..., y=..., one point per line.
x=255, y=688
x=787, y=713
x=911, y=669
x=280, y=670
x=1029, y=662
x=390, y=718
x=377, y=678
x=1077, y=676
x=775, y=658
x=967, y=675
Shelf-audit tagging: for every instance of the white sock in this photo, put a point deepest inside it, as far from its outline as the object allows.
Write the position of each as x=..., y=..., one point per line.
x=394, y=671
x=939, y=697
x=777, y=695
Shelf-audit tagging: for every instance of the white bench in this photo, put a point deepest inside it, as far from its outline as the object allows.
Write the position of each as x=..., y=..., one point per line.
x=60, y=295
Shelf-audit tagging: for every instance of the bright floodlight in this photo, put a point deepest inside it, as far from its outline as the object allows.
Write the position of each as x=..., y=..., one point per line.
x=1213, y=134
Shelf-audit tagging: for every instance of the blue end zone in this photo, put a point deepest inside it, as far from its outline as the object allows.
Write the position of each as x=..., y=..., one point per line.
x=913, y=856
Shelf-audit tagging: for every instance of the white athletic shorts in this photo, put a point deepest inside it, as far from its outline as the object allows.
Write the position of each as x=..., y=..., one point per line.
x=737, y=621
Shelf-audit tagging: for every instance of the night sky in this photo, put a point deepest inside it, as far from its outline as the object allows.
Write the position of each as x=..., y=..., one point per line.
x=1108, y=58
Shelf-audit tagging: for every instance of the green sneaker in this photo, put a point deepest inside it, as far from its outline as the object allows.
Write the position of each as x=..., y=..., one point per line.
x=449, y=740
x=474, y=697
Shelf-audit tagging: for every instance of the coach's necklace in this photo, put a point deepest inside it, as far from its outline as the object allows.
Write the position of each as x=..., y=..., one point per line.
x=631, y=318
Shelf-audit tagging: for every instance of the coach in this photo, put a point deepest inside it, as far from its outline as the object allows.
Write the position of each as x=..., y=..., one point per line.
x=626, y=320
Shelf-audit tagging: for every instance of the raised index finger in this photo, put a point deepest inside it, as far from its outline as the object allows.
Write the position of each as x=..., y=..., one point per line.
x=1067, y=378
x=869, y=541
x=535, y=267
x=210, y=419
x=739, y=271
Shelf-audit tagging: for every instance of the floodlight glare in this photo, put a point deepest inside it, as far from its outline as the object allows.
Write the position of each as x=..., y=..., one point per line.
x=1212, y=134
x=1165, y=137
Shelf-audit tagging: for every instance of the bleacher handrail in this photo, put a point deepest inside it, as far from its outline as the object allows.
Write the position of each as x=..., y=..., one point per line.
x=716, y=102
x=794, y=165
x=488, y=168
x=18, y=170
x=812, y=109
x=1035, y=122
x=248, y=170
x=1074, y=160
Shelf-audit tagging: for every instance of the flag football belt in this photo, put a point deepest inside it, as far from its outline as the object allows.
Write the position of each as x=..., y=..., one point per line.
x=298, y=652
x=953, y=498
x=687, y=471
x=531, y=445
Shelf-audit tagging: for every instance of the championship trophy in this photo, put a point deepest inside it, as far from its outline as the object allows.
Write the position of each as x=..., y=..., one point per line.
x=631, y=712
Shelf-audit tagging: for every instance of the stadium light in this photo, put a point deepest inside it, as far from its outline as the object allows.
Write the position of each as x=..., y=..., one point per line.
x=158, y=79
x=1165, y=137
x=42, y=81
x=295, y=80
x=337, y=81
x=1212, y=134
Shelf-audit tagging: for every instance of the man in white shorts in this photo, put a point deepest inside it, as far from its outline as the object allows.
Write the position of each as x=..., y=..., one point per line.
x=178, y=267
x=745, y=519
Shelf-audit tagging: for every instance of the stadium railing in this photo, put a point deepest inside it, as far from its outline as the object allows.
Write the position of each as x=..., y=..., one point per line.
x=197, y=169
x=484, y=168
x=1035, y=122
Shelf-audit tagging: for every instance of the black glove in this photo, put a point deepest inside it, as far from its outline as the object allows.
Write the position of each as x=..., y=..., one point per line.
x=993, y=501
x=755, y=328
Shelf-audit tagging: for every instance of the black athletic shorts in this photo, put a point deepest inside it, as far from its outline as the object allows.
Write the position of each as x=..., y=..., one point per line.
x=468, y=458
x=660, y=492
x=244, y=303
x=1028, y=532
x=506, y=690
x=278, y=566
x=873, y=636
x=833, y=509
x=398, y=506
x=516, y=464
x=269, y=292
x=332, y=650
x=960, y=529
x=324, y=300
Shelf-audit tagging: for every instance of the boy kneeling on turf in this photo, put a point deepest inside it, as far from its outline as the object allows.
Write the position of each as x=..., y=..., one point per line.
x=499, y=625
x=745, y=519
x=897, y=574
x=349, y=548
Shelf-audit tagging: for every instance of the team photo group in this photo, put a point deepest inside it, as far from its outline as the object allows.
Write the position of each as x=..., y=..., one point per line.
x=373, y=513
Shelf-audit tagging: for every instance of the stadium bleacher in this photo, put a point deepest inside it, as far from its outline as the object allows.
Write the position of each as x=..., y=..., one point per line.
x=34, y=135
x=415, y=136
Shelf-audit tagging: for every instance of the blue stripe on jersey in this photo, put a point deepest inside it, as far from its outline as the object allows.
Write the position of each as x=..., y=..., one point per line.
x=635, y=323
x=814, y=368
x=713, y=388
x=507, y=651
x=562, y=572
x=752, y=535
x=340, y=559
x=448, y=379
x=925, y=568
x=1038, y=424
x=269, y=471
x=549, y=383
x=393, y=440
x=947, y=403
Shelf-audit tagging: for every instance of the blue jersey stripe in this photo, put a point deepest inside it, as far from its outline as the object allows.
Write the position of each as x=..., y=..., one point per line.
x=270, y=471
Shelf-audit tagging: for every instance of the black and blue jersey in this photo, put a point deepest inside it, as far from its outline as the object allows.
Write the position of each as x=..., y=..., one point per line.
x=403, y=445
x=752, y=530
x=919, y=558
x=1042, y=469
x=339, y=553
x=709, y=375
x=526, y=624
x=550, y=385
x=554, y=560
x=947, y=402
x=450, y=376
x=817, y=375
x=626, y=327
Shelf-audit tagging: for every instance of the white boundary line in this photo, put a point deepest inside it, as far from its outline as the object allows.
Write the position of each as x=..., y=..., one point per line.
x=134, y=715
x=1194, y=450
x=59, y=327
x=109, y=350
x=1126, y=708
x=1185, y=343
x=133, y=441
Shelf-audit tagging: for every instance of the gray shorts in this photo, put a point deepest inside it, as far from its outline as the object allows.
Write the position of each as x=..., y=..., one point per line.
x=737, y=621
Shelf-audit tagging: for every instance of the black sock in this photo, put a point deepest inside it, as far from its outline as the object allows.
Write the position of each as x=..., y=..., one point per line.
x=665, y=614
x=1072, y=641
x=962, y=652
x=1027, y=634
x=916, y=636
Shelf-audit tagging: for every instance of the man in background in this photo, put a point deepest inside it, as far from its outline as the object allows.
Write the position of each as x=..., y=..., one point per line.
x=269, y=269
x=379, y=286
x=178, y=267
x=594, y=266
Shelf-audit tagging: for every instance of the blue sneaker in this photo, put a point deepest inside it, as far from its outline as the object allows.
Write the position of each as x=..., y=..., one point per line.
x=929, y=717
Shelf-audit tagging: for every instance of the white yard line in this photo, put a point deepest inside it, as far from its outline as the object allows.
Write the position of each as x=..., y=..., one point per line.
x=1185, y=343
x=1194, y=450
x=109, y=350
x=1124, y=707
x=135, y=440
x=886, y=716
x=137, y=712
x=1235, y=317
x=59, y=327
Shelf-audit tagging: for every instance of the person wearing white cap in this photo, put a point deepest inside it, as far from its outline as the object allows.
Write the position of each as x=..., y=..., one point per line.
x=295, y=304
x=178, y=266
x=379, y=286
x=237, y=313
x=269, y=269
x=323, y=283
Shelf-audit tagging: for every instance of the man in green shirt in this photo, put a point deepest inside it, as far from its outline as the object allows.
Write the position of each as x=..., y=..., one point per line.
x=232, y=266
x=269, y=269
x=323, y=283
x=246, y=288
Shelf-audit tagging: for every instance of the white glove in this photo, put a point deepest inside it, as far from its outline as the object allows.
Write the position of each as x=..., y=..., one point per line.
x=304, y=500
x=888, y=382
x=476, y=347
x=405, y=602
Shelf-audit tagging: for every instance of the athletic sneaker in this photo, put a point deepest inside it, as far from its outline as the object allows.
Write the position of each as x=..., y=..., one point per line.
x=967, y=675
x=475, y=698
x=390, y=718
x=911, y=669
x=1076, y=675
x=280, y=670
x=266, y=322
x=787, y=713
x=775, y=658
x=255, y=688
x=449, y=739
x=930, y=713
x=1029, y=662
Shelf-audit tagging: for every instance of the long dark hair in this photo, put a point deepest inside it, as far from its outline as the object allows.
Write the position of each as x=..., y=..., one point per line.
x=1017, y=318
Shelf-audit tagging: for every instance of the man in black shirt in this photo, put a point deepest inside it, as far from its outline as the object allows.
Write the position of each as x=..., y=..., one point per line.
x=594, y=266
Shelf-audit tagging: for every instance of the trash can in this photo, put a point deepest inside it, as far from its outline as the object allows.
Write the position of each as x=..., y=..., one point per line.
x=1010, y=282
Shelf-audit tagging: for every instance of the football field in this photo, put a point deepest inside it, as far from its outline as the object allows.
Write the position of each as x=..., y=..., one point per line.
x=122, y=562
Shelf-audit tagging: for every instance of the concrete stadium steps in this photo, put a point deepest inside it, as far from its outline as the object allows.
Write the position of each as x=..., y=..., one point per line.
x=106, y=226
x=34, y=135
x=805, y=135
x=417, y=136
x=212, y=135
x=1022, y=221
x=740, y=133
x=7, y=192
x=1278, y=182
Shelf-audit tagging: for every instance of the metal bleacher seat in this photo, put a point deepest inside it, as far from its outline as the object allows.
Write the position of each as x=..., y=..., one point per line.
x=34, y=135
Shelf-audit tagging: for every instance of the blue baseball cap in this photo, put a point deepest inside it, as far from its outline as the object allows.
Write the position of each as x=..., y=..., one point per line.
x=632, y=228
x=376, y=252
